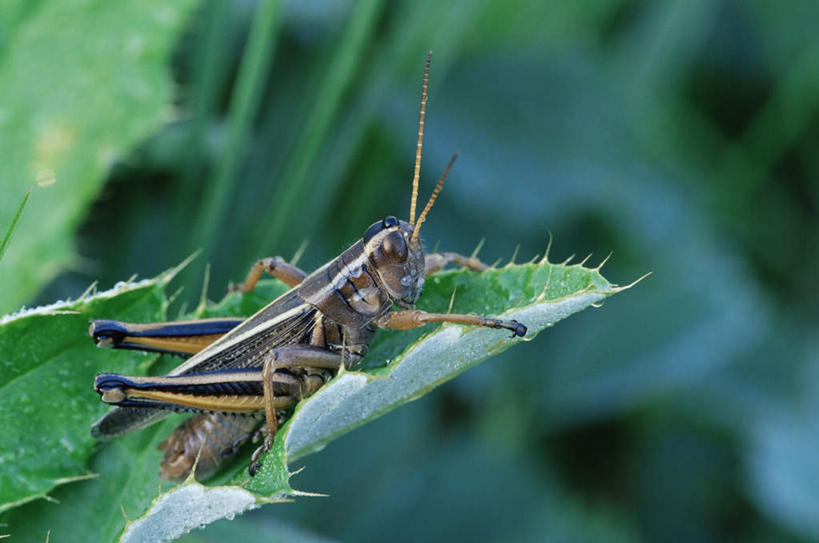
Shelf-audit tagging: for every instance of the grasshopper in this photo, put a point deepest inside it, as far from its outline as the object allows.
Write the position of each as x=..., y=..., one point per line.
x=291, y=347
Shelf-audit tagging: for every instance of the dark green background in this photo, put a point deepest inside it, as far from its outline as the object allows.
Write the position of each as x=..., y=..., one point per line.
x=682, y=135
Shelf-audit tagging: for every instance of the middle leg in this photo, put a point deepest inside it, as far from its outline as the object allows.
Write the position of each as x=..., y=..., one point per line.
x=275, y=266
x=292, y=357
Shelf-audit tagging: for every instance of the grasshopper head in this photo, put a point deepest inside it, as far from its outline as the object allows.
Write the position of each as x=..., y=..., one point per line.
x=398, y=259
x=394, y=249
x=393, y=246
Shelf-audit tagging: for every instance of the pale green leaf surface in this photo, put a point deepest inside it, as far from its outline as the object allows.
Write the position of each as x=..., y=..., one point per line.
x=401, y=366
x=80, y=83
x=46, y=398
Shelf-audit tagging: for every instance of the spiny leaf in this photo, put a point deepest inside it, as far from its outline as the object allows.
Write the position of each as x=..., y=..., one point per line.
x=400, y=366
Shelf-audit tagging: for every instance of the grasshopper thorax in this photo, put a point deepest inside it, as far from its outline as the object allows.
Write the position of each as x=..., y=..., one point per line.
x=397, y=257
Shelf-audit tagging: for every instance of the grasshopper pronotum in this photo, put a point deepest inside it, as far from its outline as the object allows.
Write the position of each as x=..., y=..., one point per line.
x=292, y=346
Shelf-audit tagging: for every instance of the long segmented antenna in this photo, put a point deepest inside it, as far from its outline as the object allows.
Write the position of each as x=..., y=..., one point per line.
x=417, y=175
x=434, y=196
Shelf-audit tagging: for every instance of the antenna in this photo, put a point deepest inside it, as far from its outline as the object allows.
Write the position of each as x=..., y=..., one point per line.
x=434, y=196
x=419, y=145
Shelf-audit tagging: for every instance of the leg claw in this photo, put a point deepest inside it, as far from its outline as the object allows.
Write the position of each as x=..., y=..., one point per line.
x=254, y=460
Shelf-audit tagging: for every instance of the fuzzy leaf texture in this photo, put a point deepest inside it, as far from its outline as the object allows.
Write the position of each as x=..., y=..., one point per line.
x=88, y=490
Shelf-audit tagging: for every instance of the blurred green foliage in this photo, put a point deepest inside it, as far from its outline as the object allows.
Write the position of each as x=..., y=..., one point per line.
x=82, y=82
x=682, y=135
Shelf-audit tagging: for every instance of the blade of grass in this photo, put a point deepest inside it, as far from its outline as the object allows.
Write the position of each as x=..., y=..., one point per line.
x=253, y=72
x=210, y=69
x=339, y=76
x=409, y=40
x=781, y=121
x=10, y=230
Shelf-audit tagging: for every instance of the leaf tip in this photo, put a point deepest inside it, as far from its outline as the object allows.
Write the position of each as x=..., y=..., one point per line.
x=545, y=259
x=616, y=289
x=603, y=262
x=514, y=255
x=13, y=225
x=203, y=297
x=168, y=275
x=478, y=248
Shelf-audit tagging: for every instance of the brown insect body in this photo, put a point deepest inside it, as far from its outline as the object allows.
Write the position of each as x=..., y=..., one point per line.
x=292, y=346
x=208, y=439
x=205, y=440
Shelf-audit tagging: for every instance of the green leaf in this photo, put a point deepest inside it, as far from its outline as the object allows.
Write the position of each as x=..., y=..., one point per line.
x=83, y=81
x=48, y=442
x=46, y=401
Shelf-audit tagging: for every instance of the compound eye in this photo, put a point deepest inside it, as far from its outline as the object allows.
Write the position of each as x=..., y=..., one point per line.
x=394, y=247
x=390, y=221
x=374, y=228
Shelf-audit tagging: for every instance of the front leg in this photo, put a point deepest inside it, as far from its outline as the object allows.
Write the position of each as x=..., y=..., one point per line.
x=284, y=358
x=405, y=320
x=437, y=261
x=414, y=318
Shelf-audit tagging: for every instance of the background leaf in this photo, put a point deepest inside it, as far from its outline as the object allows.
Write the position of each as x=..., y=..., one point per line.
x=83, y=82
